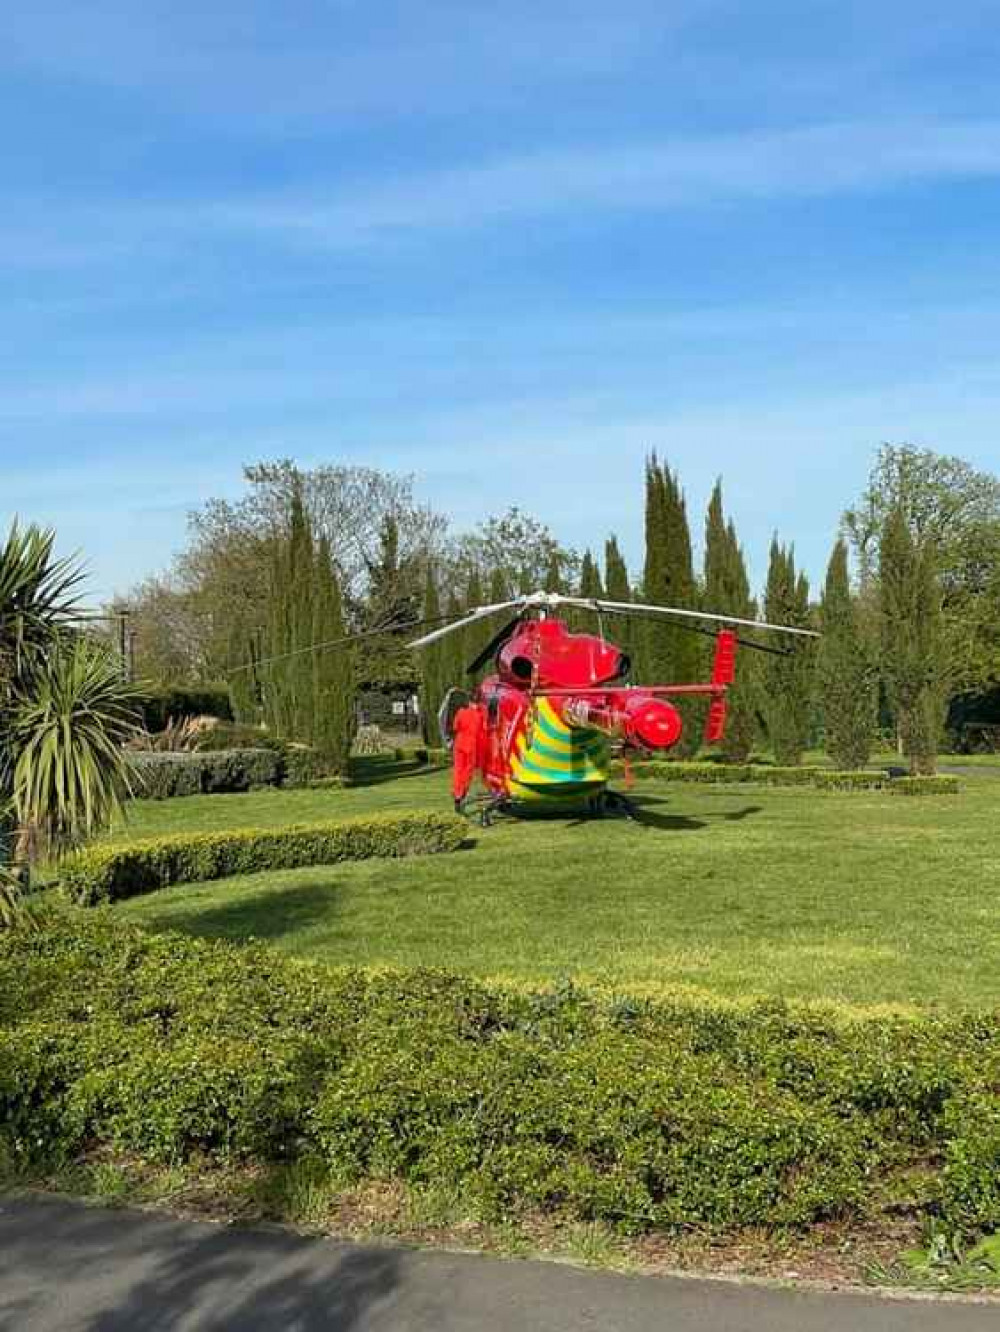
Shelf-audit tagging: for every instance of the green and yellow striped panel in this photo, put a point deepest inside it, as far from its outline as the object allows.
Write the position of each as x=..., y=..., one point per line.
x=551, y=759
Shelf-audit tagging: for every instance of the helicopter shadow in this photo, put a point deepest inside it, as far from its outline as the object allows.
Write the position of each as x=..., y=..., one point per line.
x=647, y=816
x=377, y=771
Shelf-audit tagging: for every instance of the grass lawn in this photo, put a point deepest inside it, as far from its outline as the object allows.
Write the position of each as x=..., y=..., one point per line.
x=865, y=900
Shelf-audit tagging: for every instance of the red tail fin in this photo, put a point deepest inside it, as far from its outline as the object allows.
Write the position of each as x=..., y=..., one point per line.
x=715, y=725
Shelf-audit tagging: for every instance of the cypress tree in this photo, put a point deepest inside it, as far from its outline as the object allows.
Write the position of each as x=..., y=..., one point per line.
x=671, y=653
x=652, y=647
x=845, y=671
x=301, y=575
x=590, y=577
x=395, y=589
x=332, y=668
x=453, y=657
x=553, y=575
x=912, y=639
x=615, y=572
x=618, y=588
x=475, y=638
x=499, y=591
x=432, y=689
x=278, y=639
x=789, y=679
x=244, y=651
x=727, y=591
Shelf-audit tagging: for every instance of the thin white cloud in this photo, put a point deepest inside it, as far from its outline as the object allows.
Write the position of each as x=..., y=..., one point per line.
x=755, y=167
x=268, y=67
x=679, y=174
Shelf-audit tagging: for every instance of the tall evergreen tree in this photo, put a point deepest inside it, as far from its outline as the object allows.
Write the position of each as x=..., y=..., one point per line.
x=499, y=589
x=788, y=679
x=454, y=659
x=432, y=688
x=590, y=577
x=615, y=572
x=475, y=638
x=913, y=650
x=671, y=653
x=301, y=579
x=332, y=668
x=275, y=669
x=393, y=603
x=553, y=575
x=845, y=669
x=727, y=591
x=245, y=651
x=618, y=588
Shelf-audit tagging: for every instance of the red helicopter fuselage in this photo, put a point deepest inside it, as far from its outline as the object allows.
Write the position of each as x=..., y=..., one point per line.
x=558, y=706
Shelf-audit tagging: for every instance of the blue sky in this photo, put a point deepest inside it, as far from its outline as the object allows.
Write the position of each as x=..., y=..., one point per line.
x=507, y=247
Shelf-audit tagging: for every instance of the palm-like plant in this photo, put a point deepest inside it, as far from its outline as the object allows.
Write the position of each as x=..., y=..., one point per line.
x=64, y=710
x=68, y=732
x=38, y=597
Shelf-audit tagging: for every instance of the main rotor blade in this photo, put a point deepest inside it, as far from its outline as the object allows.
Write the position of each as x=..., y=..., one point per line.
x=671, y=612
x=494, y=645
x=471, y=618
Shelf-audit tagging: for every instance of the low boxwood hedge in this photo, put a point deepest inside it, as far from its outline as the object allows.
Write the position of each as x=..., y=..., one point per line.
x=825, y=779
x=108, y=872
x=641, y=1114
x=222, y=770
x=157, y=776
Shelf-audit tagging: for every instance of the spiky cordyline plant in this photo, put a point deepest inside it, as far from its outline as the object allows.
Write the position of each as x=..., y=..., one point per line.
x=38, y=596
x=69, y=776
x=64, y=710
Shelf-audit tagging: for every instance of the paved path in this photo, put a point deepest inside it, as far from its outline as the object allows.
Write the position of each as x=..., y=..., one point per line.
x=69, y=1268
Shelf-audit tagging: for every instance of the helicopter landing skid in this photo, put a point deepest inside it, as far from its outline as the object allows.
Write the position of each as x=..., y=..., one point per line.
x=613, y=804
x=491, y=808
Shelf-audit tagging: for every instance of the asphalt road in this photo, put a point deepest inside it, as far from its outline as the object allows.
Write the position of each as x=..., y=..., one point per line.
x=71, y=1268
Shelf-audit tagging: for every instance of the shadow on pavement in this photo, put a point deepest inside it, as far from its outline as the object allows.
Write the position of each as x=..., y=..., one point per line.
x=182, y=1277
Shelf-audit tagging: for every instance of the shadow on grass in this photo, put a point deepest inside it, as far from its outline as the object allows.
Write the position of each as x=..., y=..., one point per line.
x=651, y=818
x=266, y=915
x=377, y=771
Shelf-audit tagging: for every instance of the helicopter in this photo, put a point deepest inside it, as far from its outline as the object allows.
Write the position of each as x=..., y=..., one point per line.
x=541, y=730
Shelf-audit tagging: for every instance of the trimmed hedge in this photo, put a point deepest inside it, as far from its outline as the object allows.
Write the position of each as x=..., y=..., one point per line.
x=640, y=1114
x=235, y=735
x=302, y=766
x=108, y=873
x=825, y=779
x=422, y=754
x=162, y=776
x=160, y=704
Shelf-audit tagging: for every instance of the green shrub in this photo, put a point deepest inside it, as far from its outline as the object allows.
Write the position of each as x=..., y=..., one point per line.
x=107, y=873
x=641, y=1114
x=161, y=776
x=850, y=781
x=302, y=766
x=971, y=1177
x=769, y=774
x=161, y=704
x=772, y=774
x=235, y=735
x=917, y=786
x=681, y=771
